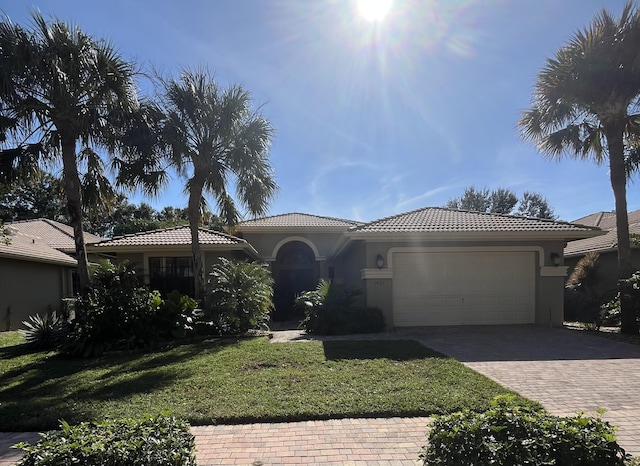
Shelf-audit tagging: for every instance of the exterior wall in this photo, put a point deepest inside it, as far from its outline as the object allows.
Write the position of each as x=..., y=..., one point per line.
x=30, y=288
x=607, y=272
x=549, y=304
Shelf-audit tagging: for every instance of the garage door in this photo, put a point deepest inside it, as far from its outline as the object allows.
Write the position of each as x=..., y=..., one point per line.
x=477, y=288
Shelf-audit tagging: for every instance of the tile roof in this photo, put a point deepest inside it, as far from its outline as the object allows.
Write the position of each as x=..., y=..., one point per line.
x=606, y=220
x=599, y=243
x=32, y=248
x=295, y=219
x=175, y=236
x=56, y=234
x=438, y=219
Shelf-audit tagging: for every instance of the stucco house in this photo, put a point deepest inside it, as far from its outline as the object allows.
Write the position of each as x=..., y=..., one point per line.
x=431, y=266
x=37, y=269
x=605, y=246
x=164, y=256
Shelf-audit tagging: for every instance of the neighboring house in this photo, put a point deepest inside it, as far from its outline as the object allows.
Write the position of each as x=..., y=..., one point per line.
x=164, y=256
x=431, y=266
x=606, y=246
x=37, y=269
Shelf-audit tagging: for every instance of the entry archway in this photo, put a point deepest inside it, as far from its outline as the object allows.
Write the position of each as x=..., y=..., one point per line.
x=295, y=270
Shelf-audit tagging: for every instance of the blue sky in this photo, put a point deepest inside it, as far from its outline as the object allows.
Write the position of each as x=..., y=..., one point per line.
x=371, y=119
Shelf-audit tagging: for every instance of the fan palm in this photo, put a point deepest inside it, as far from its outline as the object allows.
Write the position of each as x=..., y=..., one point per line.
x=60, y=89
x=584, y=106
x=215, y=138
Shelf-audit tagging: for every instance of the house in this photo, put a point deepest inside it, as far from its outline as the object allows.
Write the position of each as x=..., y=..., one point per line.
x=37, y=269
x=431, y=266
x=605, y=246
x=164, y=256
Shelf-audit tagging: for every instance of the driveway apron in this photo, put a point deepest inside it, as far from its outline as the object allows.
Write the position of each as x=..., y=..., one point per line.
x=567, y=371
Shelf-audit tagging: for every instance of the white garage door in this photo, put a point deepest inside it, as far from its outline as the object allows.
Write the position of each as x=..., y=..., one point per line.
x=456, y=288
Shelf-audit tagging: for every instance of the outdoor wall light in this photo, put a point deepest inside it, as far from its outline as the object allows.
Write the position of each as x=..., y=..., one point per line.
x=555, y=258
x=379, y=261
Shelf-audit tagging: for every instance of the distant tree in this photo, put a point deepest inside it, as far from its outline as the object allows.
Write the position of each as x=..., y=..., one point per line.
x=585, y=105
x=4, y=234
x=534, y=205
x=472, y=199
x=502, y=201
x=41, y=197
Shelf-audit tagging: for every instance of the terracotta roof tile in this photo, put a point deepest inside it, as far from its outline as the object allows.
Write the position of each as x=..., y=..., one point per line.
x=295, y=219
x=437, y=219
x=32, y=248
x=170, y=237
x=606, y=220
x=56, y=234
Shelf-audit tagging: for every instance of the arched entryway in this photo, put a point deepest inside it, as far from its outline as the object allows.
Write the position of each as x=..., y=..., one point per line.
x=295, y=270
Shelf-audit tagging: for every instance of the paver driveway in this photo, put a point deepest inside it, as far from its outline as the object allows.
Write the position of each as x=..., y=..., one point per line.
x=567, y=371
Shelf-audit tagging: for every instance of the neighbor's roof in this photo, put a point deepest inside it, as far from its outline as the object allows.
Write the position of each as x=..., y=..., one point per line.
x=32, y=248
x=451, y=221
x=608, y=242
x=606, y=220
x=176, y=236
x=56, y=234
x=296, y=220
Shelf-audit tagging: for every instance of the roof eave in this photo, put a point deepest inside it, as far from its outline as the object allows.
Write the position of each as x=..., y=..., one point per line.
x=294, y=229
x=41, y=260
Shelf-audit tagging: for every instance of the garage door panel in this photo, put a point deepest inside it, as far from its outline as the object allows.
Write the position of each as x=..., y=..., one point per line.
x=463, y=288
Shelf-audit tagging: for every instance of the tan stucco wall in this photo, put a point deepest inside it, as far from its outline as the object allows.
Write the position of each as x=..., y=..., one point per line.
x=265, y=243
x=548, y=289
x=607, y=272
x=30, y=288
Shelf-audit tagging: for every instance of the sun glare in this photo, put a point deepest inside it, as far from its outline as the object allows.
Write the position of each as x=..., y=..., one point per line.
x=374, y=10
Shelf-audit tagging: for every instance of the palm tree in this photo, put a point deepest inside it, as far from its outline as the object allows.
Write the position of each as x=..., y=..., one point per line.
x=216, y=139
x=584, y=106
x=60, y=91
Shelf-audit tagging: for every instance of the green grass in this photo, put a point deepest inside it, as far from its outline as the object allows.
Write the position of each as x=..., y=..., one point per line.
x=228, y=381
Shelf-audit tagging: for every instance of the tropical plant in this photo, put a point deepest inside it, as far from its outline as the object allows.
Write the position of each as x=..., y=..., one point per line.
x=214, y=139
x=332, y=310
x=117, y=313
x=45, y=331
x=512, y=435
x=583, y=106
x=240, y=296
x=60, y=89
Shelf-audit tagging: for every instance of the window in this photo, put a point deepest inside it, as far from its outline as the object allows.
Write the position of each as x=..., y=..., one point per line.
x=172, y=273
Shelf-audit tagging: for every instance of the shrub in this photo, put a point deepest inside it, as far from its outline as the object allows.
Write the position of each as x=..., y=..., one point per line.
x=510, y=435
x=330, y=310
x=115, y=314
x=582, y=301
x=157, y=440
x=45, y=331
x=178, y=315
x=239, y=296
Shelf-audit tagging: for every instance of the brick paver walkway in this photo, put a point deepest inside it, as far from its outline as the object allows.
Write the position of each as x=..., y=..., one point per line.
x=393, y=441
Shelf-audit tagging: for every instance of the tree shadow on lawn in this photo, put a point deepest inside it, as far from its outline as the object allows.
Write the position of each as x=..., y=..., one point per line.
x=395, y=350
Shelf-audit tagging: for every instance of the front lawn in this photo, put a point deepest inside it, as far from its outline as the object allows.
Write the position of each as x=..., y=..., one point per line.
x=229, y=381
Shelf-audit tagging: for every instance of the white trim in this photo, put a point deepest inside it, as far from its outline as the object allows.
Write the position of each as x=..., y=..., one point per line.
x=417, y=249
x=289, y=239
x=554, y=271
x=376, y=274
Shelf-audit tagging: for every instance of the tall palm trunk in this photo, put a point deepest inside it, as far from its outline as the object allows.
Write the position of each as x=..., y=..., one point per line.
x=195, y=194
x=73, y=193
x=618, y=177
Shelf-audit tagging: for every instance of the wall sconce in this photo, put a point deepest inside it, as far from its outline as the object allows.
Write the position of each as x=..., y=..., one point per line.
x=555, y=258
x=379, y=261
